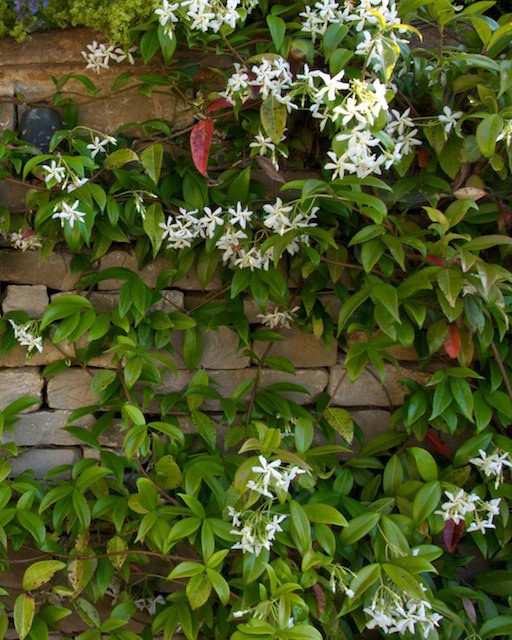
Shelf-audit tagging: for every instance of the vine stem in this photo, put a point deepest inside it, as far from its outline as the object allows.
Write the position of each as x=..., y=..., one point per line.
x=501, y=366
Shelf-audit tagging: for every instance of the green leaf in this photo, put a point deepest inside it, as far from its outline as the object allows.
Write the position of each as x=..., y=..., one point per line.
x=273, y=116
x=497, y=626
x=151, y=159
x=277, y=28
x=24, y=610
x=341, y=421
x=324, y=514
x=350, y=306
x=168, y=473
x=486, y=242
x=487, y=133
x=40, y=573
x=496, y=583
x=151, y=224
x=198, y=590
x=462, y=395
x=364, y=579
x=358, y=527
x=426, y=501
x=119, y=158
x=404, y=581
x=426, y=464
x=300, y=528
x=205, y=427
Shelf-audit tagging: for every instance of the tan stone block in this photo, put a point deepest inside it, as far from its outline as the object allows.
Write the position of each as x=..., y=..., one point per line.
x=149, y=273
x=225, y=382
x=33, y=299
x=220, y=350
x=43, y=460
x=372, y=422
x=367, y=391
x=28, y=268
x=15, y=383
x=45, y=428
x=302, y=349
x=17, y=357
x=406, y=354
x=71, y=389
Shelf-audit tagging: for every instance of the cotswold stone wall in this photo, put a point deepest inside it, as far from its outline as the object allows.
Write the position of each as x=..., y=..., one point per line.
x=29, y=283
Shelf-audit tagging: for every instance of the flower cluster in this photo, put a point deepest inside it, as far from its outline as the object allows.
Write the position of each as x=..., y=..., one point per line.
x=203, y=15
x=461, y=504
x=394, y=612
x=68, y=213
x=492, y=466
x=272, y=476
x=232, y=231
x=25, y=240
x=27, y=335
x=340, y=579
x=277, y=318
x=99, y=56
x=258, y=528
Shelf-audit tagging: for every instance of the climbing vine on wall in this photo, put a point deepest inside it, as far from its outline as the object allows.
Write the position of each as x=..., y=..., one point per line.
x=334, y=149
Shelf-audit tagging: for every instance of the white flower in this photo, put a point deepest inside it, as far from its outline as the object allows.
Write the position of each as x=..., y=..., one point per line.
x=229, y=242
x=449, y=118
x=332, y=85
x=277, y=218
x=25, y=240
x=166, y=13
x=339, y=165
x=99, y=145
x=241, y=215
x=278, y=318
x=457, y=506
x=54, y=172
x=76, y=183
x=492, y=465
x=25, y=335
x=68, y=213
x=209, y=222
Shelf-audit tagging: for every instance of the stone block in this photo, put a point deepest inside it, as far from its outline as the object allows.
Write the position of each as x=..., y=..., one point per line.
x=17, y=357
x=302, y=349
x=71, y=389
x=367, y=390
x=372, y=422
x=15, y=383
x=43, y=460
x=29, y=268
x=225, y=382
x=220, y=350
x=13, y=194
x=150, y=272
x=33, y=299
x=7, y=109
x=406, y=354
x=45, y=428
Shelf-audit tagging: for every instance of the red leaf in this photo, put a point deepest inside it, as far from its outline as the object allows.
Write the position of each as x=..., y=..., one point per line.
x=200, y=140
x=438, y=444
x=220, y=103
x=452, y=533
x=453, y=343
x=435, y=260
x=422, y=156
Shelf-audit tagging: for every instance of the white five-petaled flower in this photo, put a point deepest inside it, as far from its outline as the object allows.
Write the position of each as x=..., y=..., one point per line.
x=240, y=215
x=449, y=118
x=68, y=213
x=54, y=172
x=492, y=465
x=278, y=318
x=166, y=14
x=99, y=145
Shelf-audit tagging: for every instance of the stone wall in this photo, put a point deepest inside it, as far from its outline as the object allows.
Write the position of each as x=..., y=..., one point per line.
x=28, y=283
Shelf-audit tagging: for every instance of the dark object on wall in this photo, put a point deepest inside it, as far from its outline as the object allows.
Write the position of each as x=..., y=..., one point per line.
x=38, y=125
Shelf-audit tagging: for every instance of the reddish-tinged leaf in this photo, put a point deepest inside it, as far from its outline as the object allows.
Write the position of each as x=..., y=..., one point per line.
x=453, y=343
x=452, y=533
x=422, y=156
x=269, y=169
x=469, y=607
x=438, y=444
x=200, y=140
x=435, y=260
x=220, y=103
x=320, y=598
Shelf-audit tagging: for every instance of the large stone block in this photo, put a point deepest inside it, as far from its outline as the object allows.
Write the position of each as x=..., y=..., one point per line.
x=149, y=273
x=43, y=460
x=71, y=389
x=18, y=356
x=29, y=268
x=15, y=383
x=220, y=350
x=372, y=422
x=45, y=428
x=302, y=349
x=7, y=109
x=226, y=381
x=33, y=299
x=367, y=390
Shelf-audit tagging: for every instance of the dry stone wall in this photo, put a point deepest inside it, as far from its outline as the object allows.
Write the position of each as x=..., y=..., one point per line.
x=28, y=283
